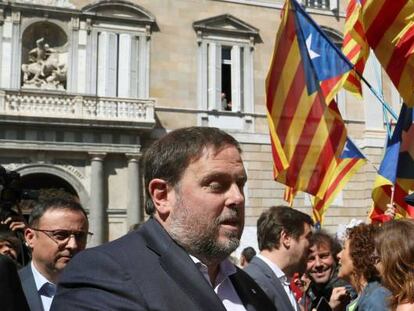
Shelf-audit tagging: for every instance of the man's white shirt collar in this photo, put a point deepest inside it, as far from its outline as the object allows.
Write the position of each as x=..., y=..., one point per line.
x=224, y=287
x=284, y=280
x=40, y=281
x=276, y=270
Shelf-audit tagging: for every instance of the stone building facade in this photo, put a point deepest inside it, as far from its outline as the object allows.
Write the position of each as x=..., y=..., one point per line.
x=86, y=86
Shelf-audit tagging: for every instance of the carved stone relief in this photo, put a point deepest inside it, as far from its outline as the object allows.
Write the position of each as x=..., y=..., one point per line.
x=46, y=69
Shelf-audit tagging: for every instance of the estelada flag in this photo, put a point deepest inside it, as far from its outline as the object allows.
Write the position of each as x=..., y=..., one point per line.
x=307, y=131
x=348, y=164
x=396, y=170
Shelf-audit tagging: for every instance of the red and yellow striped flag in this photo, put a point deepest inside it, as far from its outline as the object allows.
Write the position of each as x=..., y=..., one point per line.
x=396, y=170
x=307, y=135
x=348, y=164
x=389, y=30
x=355, y=46
x=289, y=195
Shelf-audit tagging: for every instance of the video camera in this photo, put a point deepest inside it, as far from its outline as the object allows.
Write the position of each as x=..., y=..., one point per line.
x=11, y=193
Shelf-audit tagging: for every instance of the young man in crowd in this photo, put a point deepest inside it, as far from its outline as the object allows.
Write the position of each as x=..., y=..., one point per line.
x=322, y=270
x=246, y=256
x=283, y=236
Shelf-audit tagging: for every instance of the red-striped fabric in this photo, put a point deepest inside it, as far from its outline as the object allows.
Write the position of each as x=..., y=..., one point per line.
x=307, y=135
x=396, y=170
x=289, y=195
x=355, y=46
x=389, y=29
x=381, y=196
x=347, y=166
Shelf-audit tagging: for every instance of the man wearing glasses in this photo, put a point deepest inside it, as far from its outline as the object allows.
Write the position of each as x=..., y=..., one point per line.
x=57, y=230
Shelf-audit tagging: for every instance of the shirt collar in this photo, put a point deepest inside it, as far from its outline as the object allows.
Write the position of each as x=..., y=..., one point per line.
x=276, y=270
x=226, y=268
x=40, y=280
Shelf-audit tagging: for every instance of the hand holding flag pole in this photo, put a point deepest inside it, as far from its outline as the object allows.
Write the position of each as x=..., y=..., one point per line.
x=391, y=208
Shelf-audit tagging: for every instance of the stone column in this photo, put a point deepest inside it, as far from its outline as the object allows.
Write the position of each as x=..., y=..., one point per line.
x=15, y=49
x=134, y=214
x=72, y=75
x=97, y=217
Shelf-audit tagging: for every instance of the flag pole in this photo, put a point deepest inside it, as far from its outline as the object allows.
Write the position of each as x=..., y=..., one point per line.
x=384, y=104
x=392, y=201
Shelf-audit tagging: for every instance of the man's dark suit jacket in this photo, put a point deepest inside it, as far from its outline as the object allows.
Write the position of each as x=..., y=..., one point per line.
x=268, y=281
x=29, y=288
x=11, y=293
x=145, y=270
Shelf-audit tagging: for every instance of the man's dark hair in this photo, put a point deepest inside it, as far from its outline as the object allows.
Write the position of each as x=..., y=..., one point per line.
x=168, y=157
x=248, y=253
x=321, y=237
x=45, y=205
x=277, y=218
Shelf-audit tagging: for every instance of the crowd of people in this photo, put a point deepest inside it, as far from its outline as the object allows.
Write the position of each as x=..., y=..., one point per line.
x=179, y=259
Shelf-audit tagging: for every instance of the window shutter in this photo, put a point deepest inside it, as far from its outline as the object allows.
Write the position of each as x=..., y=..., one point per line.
x=214, y=76
x=102, y=57
x=236, y=78
x=124, y=69
x=134, y=67
x=112, y=54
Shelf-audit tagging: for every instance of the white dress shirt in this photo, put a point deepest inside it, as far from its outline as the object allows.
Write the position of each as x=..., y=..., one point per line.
x=283, y=279
x=223, y=286
x=46, y=289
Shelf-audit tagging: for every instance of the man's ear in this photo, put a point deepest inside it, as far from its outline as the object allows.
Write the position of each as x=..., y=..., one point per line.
x=285, y=239
x=29, y=236
x=159, y=191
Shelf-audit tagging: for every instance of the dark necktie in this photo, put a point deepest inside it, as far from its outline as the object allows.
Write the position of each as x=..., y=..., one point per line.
x=48, y=290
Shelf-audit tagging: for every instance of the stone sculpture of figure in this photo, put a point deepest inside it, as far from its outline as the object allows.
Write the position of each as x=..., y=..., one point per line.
x=46, y=67
x=40, y=52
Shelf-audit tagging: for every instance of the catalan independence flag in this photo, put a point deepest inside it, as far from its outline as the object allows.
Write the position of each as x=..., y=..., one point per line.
x=396, y=170
x=307, y=134
x=389, y=30
x=355, y=46
x=348, y=164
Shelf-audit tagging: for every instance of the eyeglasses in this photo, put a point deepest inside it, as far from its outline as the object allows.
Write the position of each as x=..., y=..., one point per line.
x=60, y=236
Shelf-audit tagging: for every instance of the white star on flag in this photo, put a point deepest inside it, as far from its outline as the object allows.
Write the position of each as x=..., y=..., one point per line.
x=346, y=148
x=312, y=54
